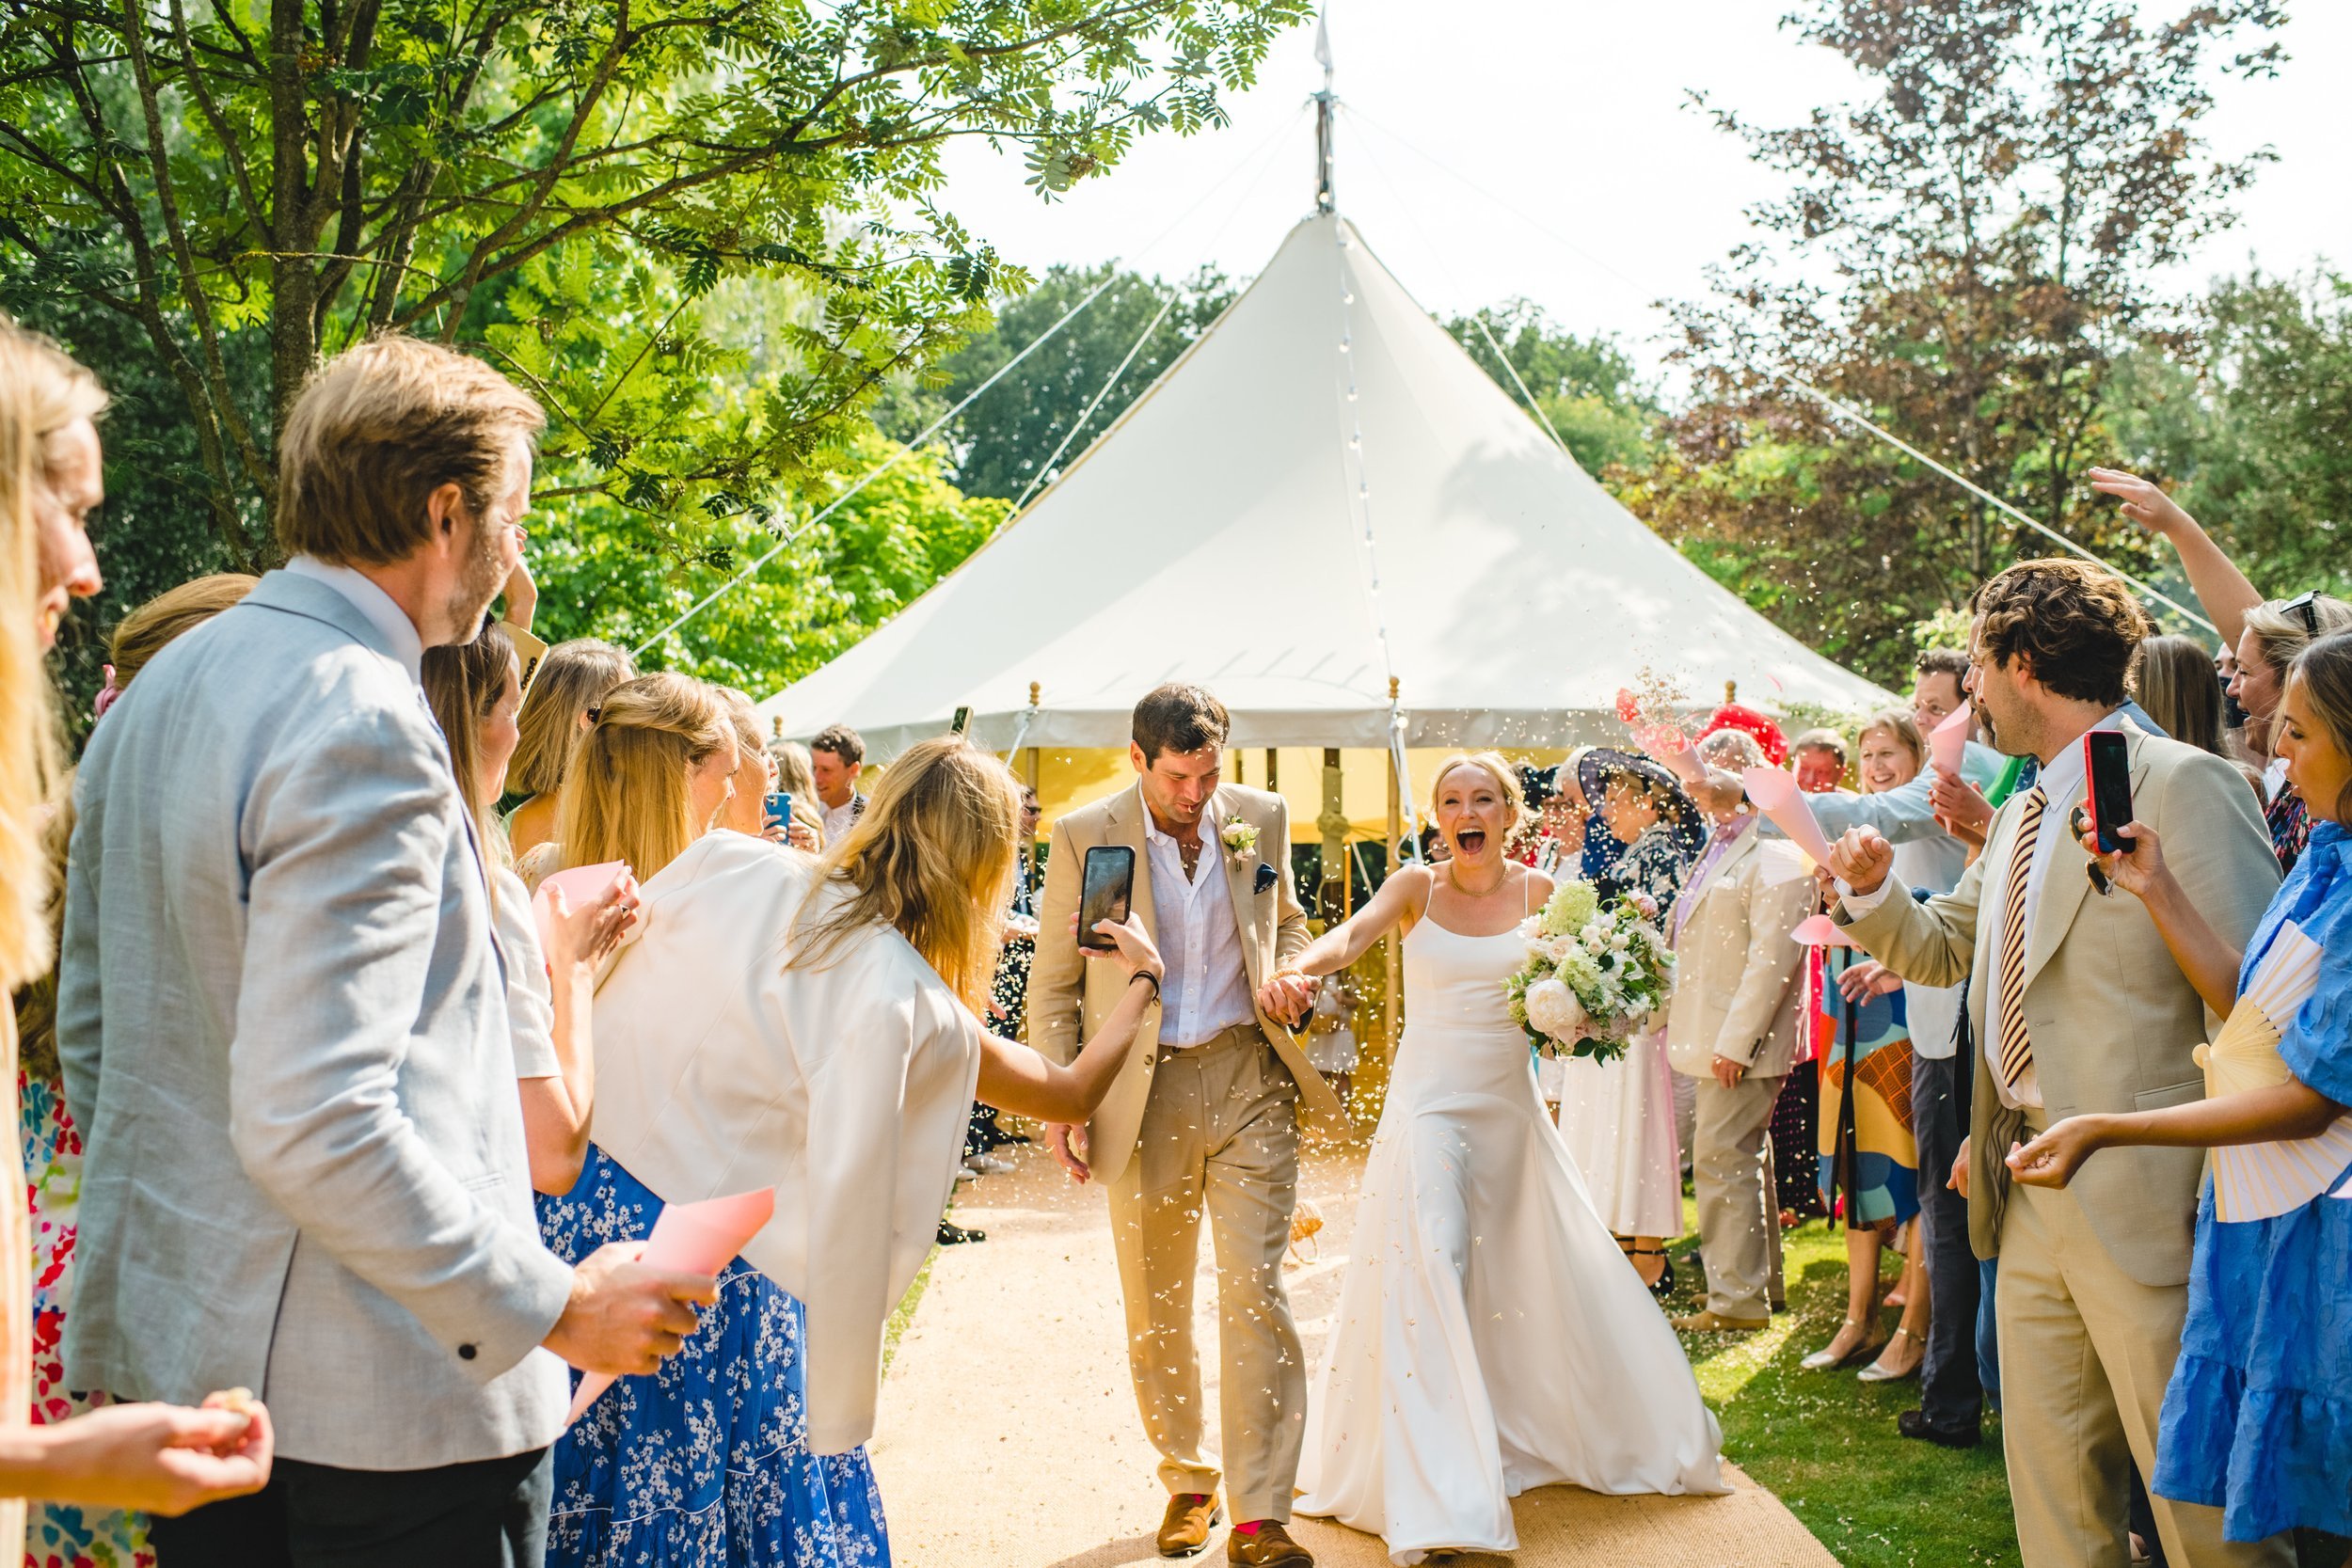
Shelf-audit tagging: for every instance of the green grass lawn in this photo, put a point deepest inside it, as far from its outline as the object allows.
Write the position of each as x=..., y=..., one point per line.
x=1825, y=1441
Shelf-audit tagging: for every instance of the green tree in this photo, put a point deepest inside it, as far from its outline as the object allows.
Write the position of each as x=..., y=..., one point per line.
x=1009, y=433
x=1588, y=388
x=1963, y=254
x=302, y=172
x=2250, y=432
x=605, y=570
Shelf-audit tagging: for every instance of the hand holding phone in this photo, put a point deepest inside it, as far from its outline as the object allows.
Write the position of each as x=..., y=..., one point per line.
x=2107, y=764
x=1107, y=888
x=779, y=809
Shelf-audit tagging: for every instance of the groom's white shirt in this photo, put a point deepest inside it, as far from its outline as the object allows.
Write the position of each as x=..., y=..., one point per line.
x=1206, y=989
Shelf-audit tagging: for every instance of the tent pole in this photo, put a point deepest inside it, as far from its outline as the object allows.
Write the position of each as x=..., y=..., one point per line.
x=1394, y=988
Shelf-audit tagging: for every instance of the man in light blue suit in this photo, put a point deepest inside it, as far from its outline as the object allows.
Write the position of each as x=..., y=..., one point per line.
x=283, y=1019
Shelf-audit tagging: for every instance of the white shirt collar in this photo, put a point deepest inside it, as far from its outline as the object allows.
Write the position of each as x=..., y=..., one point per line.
x=382, y=612
x=2063, y=780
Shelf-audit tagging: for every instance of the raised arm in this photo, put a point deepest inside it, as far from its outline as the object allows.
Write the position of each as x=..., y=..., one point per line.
x=2213, y=577
x=1930, y=944
x=1402, y=895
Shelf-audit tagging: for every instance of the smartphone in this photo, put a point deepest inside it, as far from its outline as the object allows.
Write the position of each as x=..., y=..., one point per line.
x=962, y=722
x=1109, y=884
x=2107, y=760
x=780, y=809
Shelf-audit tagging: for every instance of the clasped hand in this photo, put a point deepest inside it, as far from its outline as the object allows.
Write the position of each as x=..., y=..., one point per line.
x=1287, y=994
x=1862, y=859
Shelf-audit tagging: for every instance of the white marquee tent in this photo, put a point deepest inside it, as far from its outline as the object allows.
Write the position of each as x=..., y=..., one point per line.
x=1324, y=493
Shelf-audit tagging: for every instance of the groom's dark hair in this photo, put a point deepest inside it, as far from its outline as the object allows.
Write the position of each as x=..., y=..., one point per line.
x=1179, y=717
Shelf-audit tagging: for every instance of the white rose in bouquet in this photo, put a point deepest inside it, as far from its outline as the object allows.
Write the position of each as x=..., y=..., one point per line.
x=1553, y=1008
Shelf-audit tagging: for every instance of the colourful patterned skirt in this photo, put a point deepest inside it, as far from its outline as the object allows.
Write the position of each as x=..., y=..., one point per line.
x=705, y=1462
x=1882, y=1168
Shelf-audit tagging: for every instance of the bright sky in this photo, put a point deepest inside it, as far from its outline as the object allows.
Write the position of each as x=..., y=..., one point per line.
x=1575, y=113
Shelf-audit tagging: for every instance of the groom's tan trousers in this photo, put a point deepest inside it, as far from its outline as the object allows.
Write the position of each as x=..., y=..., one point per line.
x=1220, y=1134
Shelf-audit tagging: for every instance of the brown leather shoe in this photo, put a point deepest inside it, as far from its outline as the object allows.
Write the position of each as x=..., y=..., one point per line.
x=1184, y=1530
x=1715, y=1323
x=1269, y=1546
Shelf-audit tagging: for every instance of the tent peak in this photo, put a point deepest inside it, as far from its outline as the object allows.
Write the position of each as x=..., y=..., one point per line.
x=1324, y=102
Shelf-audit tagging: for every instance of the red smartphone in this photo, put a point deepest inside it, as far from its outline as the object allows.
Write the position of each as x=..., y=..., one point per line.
x=2106, y=763
x=1105, y=892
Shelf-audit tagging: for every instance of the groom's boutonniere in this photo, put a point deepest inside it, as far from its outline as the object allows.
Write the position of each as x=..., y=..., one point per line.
x=1241, y=840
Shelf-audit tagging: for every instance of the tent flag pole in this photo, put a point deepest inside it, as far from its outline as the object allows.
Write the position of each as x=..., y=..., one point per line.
x=1020, y=733
x=1393, y=989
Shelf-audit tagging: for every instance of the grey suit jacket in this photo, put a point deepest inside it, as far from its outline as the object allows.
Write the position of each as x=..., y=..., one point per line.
x=283, y=1025
x=2113, y=1021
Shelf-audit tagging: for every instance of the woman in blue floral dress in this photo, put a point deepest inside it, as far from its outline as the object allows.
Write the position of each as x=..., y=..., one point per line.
x=2258, y=1416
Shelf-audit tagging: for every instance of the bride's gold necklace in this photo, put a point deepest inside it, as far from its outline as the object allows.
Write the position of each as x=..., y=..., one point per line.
x=1454, y=876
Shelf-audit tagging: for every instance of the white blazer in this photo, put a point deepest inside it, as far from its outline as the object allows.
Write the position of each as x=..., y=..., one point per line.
x=845, y=1088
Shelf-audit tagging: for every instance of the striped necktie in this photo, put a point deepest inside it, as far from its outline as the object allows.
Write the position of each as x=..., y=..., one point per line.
x=2016, y=1045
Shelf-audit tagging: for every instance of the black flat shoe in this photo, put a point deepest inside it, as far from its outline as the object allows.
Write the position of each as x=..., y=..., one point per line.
x=1664, y=1286
x=950, y=1234
x=1914, y=1423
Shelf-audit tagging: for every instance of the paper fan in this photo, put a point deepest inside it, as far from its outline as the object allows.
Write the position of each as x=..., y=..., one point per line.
x=2260, y=1181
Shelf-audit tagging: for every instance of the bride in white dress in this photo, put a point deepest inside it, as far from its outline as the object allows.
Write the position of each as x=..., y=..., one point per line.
x=1489, y=1336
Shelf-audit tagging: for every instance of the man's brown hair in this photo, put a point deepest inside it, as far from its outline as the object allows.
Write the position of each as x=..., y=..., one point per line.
x=1943, y=661
x=375, y=430
x=1179, y=717
x=2078, y=623
x=843, y=742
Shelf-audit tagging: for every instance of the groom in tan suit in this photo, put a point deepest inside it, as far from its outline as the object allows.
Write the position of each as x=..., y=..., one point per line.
x=2077, y=1008
x=1204, y=1115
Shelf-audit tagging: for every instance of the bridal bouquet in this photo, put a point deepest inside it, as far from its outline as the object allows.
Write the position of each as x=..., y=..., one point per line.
x=1593, y=977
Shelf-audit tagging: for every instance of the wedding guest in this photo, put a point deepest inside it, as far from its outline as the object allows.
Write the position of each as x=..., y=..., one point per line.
x=273, y=868
x=1821, y=759
x=1618, y=1117
x=557, y=710
x=475, y=688
x=1870, y=1155
x=809, y=1026
x=1565, y=816
x=50, y=1143
x=612, y=814
x=2077, y=1004
x=1731, y=1029
x=2174, y=681
x=157, y=1458
x=835, y=758
x=757, y=777
x=2257, y=1419
x=793, y=778
x=2276, y=631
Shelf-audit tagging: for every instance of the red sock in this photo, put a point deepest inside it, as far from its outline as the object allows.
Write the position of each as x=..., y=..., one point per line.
x=1250, y=1528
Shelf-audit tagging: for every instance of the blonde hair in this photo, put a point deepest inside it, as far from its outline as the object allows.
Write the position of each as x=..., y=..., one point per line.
x=1506, y=778
x=375, y=430
x=154, y=625
x=43, y=391
x=2279, y=635
x=573, y=678
x=745, y=718
x=933, y=858
x=1903, y=727
x=625, y=798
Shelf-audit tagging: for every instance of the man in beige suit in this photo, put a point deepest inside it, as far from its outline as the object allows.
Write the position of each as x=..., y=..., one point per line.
x=2077, y=1008
x=1733, y=1027
x=1204, y=1115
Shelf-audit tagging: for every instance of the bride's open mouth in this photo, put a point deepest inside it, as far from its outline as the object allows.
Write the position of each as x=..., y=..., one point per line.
x=1469, y=841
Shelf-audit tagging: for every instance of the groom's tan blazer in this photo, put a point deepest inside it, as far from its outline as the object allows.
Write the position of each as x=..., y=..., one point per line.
x=1069, y=999
x=2112, y=1019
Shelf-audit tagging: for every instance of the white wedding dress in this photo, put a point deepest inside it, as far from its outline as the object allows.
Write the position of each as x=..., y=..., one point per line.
x=1489, y=1336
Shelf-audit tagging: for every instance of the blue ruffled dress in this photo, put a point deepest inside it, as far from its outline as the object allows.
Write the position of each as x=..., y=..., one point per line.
x=2258, y=1418
x=705, y=1462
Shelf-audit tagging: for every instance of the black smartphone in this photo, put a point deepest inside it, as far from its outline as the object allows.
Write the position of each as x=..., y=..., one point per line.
x=2107, y=761
x=1103, y=893
x=780, y=809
